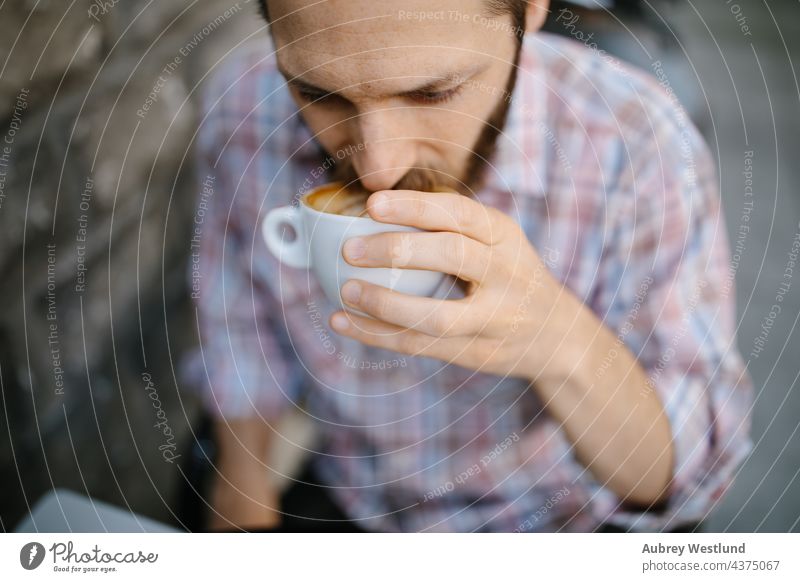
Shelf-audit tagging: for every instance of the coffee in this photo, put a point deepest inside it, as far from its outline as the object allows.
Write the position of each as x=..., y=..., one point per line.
x=337, y=198
x=321, y=235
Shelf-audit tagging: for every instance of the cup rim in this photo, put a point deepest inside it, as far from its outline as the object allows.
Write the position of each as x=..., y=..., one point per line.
x=329, y=214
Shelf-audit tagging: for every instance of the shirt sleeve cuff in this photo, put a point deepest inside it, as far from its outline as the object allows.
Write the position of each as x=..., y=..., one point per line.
x=703, y=468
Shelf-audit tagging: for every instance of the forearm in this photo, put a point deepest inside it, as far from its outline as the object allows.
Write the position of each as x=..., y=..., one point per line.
x=241, y=441
x=600, y=394
x=243, y=495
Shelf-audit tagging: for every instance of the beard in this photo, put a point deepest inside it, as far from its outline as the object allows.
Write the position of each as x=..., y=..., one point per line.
x=436, y=179
x=468, y=181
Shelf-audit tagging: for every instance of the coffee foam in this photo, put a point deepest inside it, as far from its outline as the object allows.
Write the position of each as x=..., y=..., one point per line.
x=339, y=199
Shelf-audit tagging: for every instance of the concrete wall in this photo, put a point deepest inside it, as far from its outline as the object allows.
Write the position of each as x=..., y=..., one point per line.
x=97, y=114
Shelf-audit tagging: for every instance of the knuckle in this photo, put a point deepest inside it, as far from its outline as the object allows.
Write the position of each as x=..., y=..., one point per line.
x=440, y=322
x=453, y=248
x=473, y=323
x=485, y=315
x=407, y=343
x=463, y=216
x=385, y=242
x=400, y=249
x=499, y=223
x=487, y=349
x=484, y=259
x=456, y=321
x=369, y=299
x=380, y=303
x=505, y=323
x=419, y=207
x=506, y=266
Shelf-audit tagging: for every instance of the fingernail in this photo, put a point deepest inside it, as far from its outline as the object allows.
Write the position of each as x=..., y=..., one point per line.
x=339, y=322
x=351, y=292
x=379, y=204
x=354, y=248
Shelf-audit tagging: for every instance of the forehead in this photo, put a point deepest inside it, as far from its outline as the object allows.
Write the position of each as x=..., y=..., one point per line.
x=339, y=39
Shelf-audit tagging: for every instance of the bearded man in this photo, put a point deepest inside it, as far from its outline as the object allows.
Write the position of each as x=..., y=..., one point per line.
x=583, y=373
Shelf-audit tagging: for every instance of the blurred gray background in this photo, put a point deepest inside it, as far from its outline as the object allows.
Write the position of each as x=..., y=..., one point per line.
x=96, y=196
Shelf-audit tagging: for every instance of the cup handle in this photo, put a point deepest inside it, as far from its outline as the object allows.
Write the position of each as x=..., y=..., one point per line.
x=293, y=253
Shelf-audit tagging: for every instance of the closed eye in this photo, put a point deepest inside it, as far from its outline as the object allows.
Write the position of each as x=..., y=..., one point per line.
x=432, y=97
x=314, y=96
x=425, y=97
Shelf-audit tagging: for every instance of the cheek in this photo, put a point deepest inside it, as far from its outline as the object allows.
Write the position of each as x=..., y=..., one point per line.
x=454, y=133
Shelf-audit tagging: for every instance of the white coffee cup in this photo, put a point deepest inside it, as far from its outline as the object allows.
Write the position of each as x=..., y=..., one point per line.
x=318, y=241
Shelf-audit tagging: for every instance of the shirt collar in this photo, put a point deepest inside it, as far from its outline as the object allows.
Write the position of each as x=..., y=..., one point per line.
x=518, y=165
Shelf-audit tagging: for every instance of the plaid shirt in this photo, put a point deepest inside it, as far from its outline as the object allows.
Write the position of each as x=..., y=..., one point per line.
x=617, y=192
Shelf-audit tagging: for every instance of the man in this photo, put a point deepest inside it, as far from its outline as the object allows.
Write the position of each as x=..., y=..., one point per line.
x=582, y=374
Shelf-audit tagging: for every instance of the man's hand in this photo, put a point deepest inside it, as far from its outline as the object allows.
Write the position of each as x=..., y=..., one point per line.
x=515, y=320
x=242, y=496
x=512, y=303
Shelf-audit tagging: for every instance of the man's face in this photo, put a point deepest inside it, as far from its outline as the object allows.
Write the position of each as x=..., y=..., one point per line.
x=398, y=86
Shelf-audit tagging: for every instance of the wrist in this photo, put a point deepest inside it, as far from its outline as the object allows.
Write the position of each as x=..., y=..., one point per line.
x=241, y=441
x=561, y=347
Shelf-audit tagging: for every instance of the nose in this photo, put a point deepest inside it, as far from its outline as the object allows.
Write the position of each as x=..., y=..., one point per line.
x=388, y=153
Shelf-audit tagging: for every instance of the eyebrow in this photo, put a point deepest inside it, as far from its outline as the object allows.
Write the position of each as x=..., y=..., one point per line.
x=449, y=80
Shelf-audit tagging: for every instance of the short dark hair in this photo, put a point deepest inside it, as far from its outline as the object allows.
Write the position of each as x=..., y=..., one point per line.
x=516, y=8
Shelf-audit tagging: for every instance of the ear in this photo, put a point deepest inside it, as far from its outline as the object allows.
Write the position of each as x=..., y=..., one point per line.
x=536, y=14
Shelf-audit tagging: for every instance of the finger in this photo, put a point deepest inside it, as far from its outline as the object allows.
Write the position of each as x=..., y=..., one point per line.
x=384, y=335
x=436, y=317
x=439, y=211
x=445, y=252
